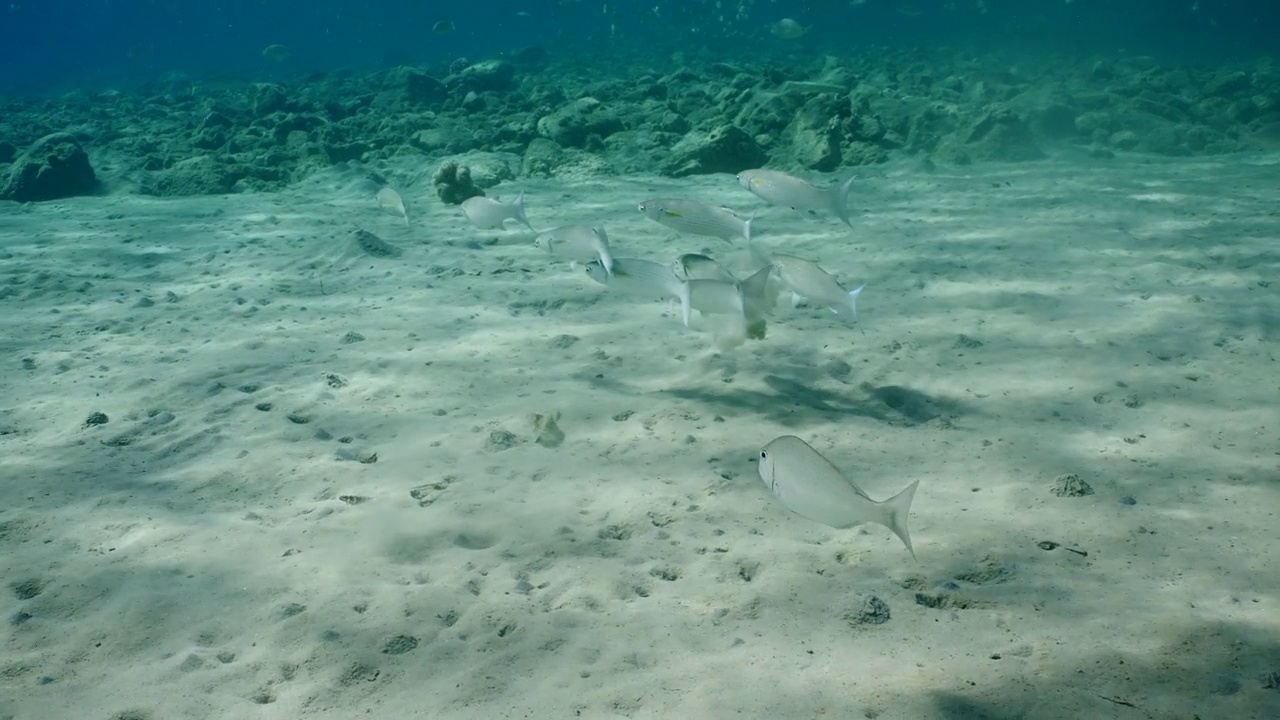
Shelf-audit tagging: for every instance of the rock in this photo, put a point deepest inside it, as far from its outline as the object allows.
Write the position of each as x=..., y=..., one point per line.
x=1227, y=84
x=200, y=175
x=268, y=98
x=407, y=87
x=545, y=159
x=815, y=133
x=547, y=432
x=726, y=149
x=998, y=134
x=766, y=113
x=373, y=245
x=55, y=166
x=453, y=183
x=486, y=75
x=1070, y=485
x=541, y=159
x=1124, y=140
x=866, y=610
x=573, y=124
x=7, y=152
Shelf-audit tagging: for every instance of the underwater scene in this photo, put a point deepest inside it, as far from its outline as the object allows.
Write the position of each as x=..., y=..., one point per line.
x=697, y=359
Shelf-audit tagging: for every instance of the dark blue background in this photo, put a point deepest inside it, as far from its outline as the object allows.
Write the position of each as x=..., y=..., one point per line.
x=56, y=45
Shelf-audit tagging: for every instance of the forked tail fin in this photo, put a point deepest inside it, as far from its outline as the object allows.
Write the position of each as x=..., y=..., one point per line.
x=895, y=514
x=840, y=200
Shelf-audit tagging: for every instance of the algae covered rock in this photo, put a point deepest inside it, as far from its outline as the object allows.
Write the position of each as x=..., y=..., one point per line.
x=407, y=87
x=815, y=134
x=486, y=75
x=453, y=183
x=200, y=175
x=997, y=134
x=725, y=149
x=55, y=166
x=574, y=124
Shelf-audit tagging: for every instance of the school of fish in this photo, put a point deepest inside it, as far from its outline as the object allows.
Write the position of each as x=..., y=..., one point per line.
x=733, y=306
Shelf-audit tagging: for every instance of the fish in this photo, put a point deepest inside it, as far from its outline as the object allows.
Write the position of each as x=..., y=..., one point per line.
x=276, y=53
x=759, y=296
x=810, y=486
x=695, y=218
x=390, y=200
x=487, y=213
x=747, y=301
x=788, y=29
x=806, y=280
x=444, y=27
x=577, y=242
x=642, y=278
x=722, y=299
x=692, y=265
x=779, y=188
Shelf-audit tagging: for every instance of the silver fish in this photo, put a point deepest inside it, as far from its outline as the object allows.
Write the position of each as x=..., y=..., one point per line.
x=759, y=295
x=692, y=265
x=809, y=485
x=695, y=218
x=577, y=242
x=779, y=188
x=487, y=213
x=390, y=200
x=642, y=278
x=805, y=279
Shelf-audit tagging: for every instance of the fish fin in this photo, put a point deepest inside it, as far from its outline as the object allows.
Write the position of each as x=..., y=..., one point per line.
x=746, y=228
x=686, y=302
x=895, y=514
x=759, y=256
x=518, y=204
x=853, y=300
x=670, y=213
x=840, y=199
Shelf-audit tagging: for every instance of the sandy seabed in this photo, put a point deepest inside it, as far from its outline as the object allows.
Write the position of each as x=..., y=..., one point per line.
x=318, y=491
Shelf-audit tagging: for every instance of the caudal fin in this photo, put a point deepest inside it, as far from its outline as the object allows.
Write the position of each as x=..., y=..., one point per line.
x=518, y=206
x=840, y=200
x=849, y=307
x=895, y=514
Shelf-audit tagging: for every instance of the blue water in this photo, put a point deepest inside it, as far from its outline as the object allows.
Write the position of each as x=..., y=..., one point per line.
x=55, y=45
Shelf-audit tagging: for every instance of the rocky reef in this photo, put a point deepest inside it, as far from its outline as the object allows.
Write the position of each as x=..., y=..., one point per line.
x=553, y=117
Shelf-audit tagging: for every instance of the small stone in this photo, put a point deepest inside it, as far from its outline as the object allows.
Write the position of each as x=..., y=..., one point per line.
x=97, y=418
x=500, y=440
x=547, y=431
x=400, y=645
x=1070, y=485
x=871, y=611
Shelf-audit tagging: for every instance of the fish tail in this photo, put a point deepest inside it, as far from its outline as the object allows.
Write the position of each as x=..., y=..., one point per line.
x=602, y=249
x=518, y=206
x=686, y=302
x=895, y=510
x=840, y=200
x=853, y=300
x=849, y=308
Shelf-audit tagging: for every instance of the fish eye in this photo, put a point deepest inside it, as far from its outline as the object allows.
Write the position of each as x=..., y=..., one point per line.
x=764, y=455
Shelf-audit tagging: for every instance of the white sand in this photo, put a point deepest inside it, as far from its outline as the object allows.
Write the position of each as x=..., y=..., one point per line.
x=198, y=557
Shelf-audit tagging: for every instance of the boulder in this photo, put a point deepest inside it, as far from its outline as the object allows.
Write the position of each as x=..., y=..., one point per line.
x=55, y=166
x=200, y=175
x=725, y=149
x=409, y=88
x=573, y=124
x=486, y=75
